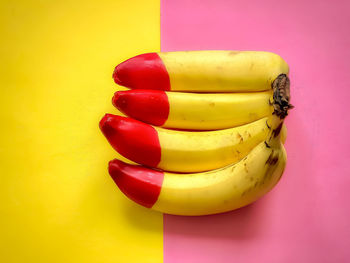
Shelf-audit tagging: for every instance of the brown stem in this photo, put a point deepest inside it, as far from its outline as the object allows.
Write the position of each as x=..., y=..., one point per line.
x=281, y=96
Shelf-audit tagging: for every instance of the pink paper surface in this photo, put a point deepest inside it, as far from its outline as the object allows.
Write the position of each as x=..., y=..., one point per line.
x=306, y=217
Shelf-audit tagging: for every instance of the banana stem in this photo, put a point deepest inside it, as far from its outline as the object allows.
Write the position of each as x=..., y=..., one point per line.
x=281, y=96
x=281, y=105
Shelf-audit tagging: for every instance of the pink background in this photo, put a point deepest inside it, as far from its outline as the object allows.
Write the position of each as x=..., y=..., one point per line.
x=306, y=217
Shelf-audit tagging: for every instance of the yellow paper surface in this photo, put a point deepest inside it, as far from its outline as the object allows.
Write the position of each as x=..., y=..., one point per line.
x=57, y=201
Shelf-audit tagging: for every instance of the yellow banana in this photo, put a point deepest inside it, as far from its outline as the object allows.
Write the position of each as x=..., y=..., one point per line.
x=202, y=71
x=210, y=111
x=182, y=151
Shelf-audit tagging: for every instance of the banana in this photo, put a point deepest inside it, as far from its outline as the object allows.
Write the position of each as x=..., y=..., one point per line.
x=202, y=71
x=209, y=192
x=182, y=151
x=193, y=111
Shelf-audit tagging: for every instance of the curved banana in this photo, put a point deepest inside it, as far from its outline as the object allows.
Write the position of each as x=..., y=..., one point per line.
x=193, y=111
x=205, y=193
x=201, y=71
x=182, y=151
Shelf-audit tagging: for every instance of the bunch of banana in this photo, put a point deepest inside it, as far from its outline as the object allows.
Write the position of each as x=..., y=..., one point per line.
x=206, y=128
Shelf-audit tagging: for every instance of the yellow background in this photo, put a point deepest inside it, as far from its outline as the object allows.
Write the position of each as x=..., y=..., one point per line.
x=58, y=203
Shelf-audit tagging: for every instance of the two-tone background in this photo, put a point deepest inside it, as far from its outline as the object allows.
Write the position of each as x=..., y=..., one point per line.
x=57, y=201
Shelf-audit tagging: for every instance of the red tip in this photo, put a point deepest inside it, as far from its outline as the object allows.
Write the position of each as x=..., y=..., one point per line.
x=140, y=184
x=151, y=106
x=146, y=71
x=133, y=139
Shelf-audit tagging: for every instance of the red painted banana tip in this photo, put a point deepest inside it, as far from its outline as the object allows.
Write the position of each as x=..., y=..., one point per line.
x=145, y=71
x=118, y=100
x=133, y=139
x=106, y=123
x=140, y=184
x=115, y=76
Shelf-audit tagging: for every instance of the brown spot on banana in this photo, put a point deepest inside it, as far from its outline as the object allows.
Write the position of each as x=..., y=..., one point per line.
x=272, y=159
x=271, y=163
x=233, y=53
x=268, y=126
x=277, y=131
x=239, y=136
x=245, y=167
